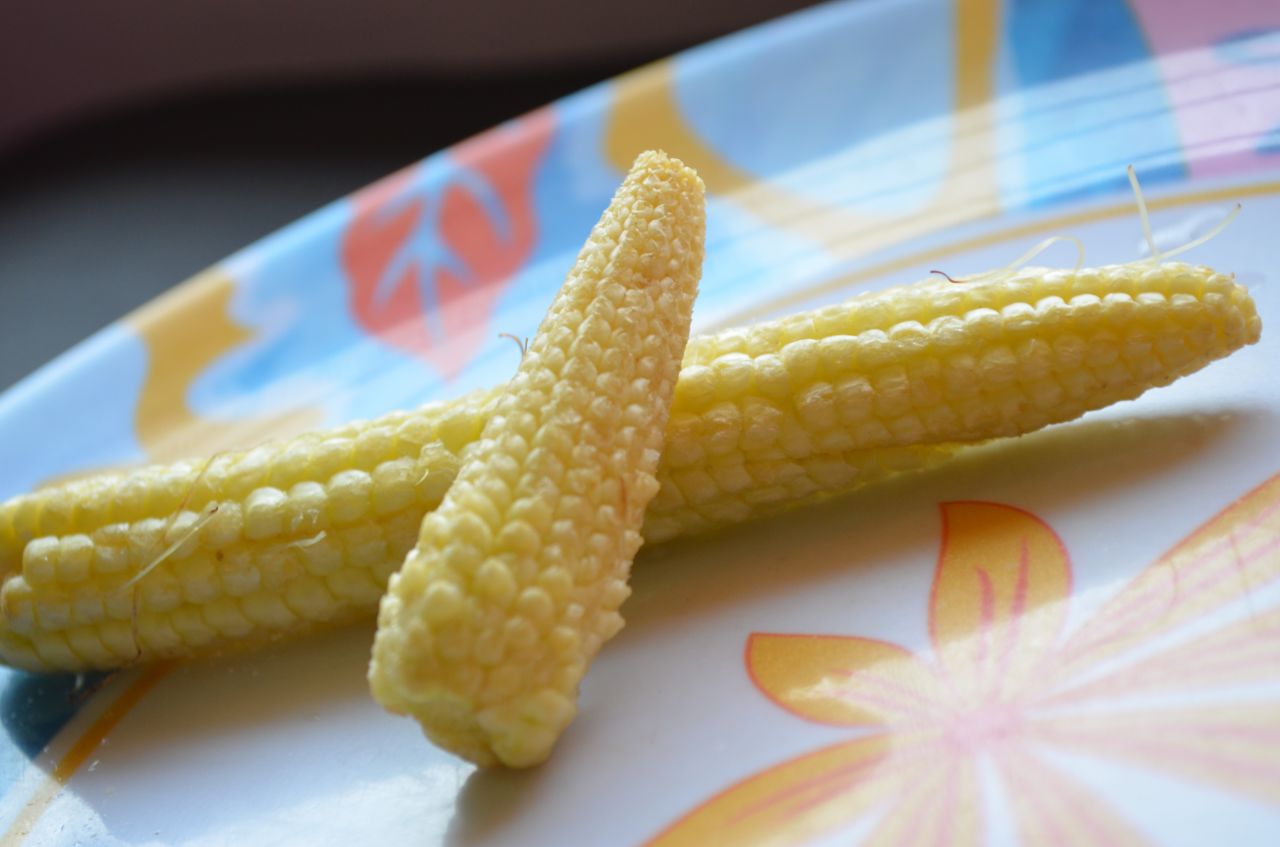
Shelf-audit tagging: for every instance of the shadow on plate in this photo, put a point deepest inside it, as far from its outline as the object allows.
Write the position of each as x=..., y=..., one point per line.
x=489, y=801
x=1059, y=465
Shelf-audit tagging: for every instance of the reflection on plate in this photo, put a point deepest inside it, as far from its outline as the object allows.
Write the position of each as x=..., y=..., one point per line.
x=1070, y=638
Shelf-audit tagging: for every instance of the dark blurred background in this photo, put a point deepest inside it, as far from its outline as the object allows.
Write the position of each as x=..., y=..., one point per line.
x=143, y=140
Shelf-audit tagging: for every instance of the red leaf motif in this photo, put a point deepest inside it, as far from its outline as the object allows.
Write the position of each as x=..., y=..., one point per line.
x=370, y=245
x=489, y=242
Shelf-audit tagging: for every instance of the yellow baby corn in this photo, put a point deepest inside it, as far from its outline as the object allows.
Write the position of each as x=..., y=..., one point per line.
x=812, y=397
x=763, y=418
x=516, y=580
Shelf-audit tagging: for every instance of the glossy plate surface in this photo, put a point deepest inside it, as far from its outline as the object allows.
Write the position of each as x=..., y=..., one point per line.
x=1123, y=572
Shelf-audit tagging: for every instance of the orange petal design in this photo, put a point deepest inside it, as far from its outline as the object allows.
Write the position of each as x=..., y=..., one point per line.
x=385, y=217
x=843, y=681
x=1225, y=560
x=646, y=113
x=943, y=805
x=185, y=331
x=1053, y=809
x=1234, y=747
x=998, y=601
x=1244, y=652
x=802, y=798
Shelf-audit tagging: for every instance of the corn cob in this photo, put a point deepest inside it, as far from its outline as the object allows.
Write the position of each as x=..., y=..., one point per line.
x=844, y=395
x=516, y=580
x=759, y=420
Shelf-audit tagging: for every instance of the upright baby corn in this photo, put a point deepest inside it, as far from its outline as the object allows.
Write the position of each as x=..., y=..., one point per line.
x=308, y=531
x=517, y=578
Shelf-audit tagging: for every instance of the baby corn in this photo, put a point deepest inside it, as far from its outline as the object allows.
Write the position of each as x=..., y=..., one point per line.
x=813, y=404
x=308, y=531
x=516, y=580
